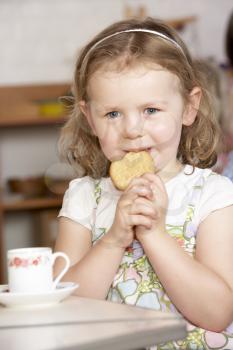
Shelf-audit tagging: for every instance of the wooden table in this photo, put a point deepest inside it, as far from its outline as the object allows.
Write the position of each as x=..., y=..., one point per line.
x=80, y=323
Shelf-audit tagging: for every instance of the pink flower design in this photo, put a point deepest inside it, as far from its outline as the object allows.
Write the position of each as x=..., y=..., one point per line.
x=17, y=261
x=24, y=263
x=35, y=262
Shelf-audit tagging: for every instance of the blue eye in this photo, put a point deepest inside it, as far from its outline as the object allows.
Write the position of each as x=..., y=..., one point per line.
x=151, y=110
x=113, y=114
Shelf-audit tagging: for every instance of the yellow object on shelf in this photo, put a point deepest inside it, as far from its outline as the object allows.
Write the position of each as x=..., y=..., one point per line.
x=51, y=109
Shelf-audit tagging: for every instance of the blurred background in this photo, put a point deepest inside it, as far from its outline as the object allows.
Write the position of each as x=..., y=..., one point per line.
x=39, y=41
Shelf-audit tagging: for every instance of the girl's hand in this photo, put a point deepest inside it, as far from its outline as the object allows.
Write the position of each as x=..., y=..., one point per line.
x=131, y=211
x=159, y=203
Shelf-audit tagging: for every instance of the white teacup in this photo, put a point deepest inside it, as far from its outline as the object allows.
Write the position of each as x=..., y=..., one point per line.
x=30, y=270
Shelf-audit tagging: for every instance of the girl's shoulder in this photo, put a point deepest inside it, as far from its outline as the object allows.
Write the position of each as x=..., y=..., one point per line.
x=79, y=201
x=87, y=181
x=84, y=197
x=89, y=189
x=201, y=189
x=203, y=178
x=214, y=191
x=81, y=181
x=213, y=181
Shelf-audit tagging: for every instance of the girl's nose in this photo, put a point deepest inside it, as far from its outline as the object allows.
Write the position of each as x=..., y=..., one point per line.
x=133, y=126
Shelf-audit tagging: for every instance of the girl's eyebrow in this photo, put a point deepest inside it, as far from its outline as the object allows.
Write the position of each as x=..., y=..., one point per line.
x=144, y=105
x=110, y=108
x=155, y=102
x=107, y=109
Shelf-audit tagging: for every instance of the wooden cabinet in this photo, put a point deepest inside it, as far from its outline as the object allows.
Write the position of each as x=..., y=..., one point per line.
x=20, y=108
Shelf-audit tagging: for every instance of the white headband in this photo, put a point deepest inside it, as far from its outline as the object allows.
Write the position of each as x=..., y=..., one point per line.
x=161, y=35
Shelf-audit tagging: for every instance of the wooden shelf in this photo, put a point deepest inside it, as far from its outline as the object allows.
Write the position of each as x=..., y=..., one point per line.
x=21, y=105
x=21, y=122
x=13, y=205
x=25, y=106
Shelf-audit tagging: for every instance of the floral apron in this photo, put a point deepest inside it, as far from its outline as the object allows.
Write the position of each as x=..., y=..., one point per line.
x=137, y=284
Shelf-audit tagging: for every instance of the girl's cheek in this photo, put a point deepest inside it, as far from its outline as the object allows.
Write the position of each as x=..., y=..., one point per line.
x=167, y=134
x=102, y=132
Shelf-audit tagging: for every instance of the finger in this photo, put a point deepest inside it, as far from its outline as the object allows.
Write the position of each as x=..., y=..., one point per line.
x=141, y=196
x=160, y=198
x=141, y=208
x=142, y=190
x=141, y=187
x=155, y=180
x=141, y=220
x=128, y=198
x=145, y=201
x=137, y=181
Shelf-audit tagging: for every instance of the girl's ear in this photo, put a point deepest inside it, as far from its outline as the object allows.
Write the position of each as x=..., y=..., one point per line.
x=86, y=111
x=192, y=107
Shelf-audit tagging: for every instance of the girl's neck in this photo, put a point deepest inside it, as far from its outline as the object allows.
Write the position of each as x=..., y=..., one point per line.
x=168, y=174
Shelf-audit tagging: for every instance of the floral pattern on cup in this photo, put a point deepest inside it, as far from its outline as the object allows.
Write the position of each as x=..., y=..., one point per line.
x=26, y=262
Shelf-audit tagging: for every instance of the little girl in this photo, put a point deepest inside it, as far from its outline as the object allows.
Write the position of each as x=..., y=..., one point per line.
x=166, y=242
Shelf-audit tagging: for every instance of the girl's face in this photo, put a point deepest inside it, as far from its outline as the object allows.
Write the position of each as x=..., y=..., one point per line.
x=138, y=109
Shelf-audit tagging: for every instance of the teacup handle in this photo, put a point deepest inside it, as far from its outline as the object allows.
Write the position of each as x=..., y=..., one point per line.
x=61, y=274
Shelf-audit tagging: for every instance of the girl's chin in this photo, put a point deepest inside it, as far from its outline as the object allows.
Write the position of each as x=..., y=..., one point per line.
x=116, y=157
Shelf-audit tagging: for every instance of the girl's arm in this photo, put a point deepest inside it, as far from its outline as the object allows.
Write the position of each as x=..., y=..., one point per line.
x=93, y=268
x=201, y=288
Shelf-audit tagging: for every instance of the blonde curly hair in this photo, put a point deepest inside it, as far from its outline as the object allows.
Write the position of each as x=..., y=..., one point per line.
x=199, y=141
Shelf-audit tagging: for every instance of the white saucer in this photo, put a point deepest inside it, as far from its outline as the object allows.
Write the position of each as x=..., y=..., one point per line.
x=63, y=290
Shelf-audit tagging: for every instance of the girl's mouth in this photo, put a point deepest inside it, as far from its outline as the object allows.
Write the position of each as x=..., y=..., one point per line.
x=140, y=150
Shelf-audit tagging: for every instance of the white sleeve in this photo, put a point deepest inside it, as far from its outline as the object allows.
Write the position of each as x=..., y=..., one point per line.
x=217, y=194
x=79, y=202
